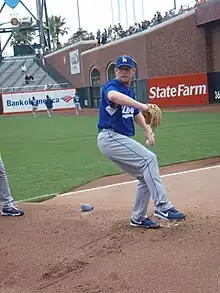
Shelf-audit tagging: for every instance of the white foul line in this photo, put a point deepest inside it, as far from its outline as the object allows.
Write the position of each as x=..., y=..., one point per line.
x=50, y=195
x=135, y=181
x=116, y=184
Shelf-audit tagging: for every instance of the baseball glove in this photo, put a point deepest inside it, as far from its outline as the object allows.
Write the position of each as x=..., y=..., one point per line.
x=152, y=116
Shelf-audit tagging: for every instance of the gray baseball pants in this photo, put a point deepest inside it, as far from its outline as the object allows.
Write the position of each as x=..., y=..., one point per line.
x=138, y=161
x=5, y=194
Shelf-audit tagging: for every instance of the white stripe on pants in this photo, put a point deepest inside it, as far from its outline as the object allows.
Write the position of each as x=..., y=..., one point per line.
x=5, y=194
x=137, y=160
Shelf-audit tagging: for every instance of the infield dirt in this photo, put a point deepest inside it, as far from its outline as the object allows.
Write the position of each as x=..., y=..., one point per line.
x=55, y=248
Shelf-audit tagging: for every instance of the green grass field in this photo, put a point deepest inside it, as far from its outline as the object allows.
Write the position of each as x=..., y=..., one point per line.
x=45, y=155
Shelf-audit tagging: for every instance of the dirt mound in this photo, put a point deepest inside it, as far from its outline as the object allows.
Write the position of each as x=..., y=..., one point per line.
x=54, y=248
x=101, y=253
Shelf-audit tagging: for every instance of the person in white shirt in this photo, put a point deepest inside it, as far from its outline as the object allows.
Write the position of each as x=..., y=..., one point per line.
x=23, y=68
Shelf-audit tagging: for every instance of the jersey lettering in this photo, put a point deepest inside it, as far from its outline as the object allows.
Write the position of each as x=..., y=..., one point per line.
x=127, y=112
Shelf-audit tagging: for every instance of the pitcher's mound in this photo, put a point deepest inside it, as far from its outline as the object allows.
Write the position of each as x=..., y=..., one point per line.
x=54, y=249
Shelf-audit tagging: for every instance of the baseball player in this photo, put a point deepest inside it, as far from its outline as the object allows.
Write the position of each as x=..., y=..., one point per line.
x=34, y=104
x=77, y=103
x=49, y=105
x=8, y=208
x=118, y=112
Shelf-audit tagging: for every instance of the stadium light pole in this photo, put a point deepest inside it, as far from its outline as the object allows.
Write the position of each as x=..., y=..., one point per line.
x=112, y=11
x=142, y=6
x=39, y=16
x=126, y=12
x=119, y=12
x=134, y=13
x=77, y=3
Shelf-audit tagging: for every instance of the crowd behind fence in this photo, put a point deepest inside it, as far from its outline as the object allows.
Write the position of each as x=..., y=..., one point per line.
x=115, y=32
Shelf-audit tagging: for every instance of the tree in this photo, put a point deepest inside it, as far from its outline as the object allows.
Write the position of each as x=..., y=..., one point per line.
x=57, y=29
x=81, y=34
x=22, y=37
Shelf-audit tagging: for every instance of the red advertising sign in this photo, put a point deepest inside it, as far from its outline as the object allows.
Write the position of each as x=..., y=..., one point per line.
x=181, y=90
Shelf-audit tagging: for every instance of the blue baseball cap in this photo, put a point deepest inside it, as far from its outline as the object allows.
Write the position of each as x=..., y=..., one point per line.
x=125, y=60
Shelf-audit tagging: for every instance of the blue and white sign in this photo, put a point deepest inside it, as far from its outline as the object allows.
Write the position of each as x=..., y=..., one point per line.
x=12, y=3
x=21, y=102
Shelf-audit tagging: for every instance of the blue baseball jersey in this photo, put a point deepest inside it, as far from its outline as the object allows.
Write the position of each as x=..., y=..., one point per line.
x=49, y=103
x=117, y=117
x=77, y=99
x=34, y=103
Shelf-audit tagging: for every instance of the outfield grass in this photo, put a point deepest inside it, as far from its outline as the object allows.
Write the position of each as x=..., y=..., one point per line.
x=45, y=155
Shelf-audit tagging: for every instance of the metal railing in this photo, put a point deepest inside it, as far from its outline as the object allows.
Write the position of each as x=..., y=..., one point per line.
x=42, y=87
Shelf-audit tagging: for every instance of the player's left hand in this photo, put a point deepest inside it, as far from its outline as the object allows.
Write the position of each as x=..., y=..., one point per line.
x=149, y=137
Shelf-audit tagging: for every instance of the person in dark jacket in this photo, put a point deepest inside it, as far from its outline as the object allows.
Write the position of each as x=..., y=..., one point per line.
x=49, y=105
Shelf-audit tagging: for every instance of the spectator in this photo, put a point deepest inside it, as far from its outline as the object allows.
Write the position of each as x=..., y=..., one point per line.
x=46, y=87
x=166, y=16
x=37, y=53
x=41, y=52
x=26, y=78
x=104, y=37
x=110, y=29
x=98, y=37
x=23, y=68
x=91, y=36
x=31, y=77
x=181, y=10
x=116, y=32
x=159, y=17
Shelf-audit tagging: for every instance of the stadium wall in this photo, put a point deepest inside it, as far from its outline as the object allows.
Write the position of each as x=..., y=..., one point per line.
x=186, y=45
x=69, y=58
x=172, y=48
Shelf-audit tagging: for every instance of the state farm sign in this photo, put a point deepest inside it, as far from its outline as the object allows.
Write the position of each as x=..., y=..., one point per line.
x=180, y=90
x=184, y=90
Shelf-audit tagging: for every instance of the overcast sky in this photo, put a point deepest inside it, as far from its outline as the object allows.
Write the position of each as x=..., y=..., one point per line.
x=94, y=14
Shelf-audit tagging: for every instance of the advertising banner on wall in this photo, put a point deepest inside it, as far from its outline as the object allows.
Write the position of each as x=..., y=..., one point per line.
x=21, y=102
x=74, y=62
x=182, y=90
x=214, y=87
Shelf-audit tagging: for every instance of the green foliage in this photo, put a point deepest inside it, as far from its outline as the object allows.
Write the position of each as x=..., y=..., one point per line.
x=23, y=37
x=57, y=29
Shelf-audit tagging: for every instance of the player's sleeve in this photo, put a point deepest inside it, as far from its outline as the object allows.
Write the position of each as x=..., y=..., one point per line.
x=110, y=87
